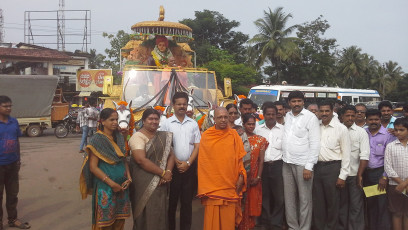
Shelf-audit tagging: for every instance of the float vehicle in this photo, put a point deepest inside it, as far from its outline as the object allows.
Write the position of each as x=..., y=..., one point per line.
x=157, y=63
x=260, y=94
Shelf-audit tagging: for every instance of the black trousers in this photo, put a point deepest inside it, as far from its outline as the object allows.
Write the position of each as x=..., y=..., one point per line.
x=273, y=202
x=182, y=187
x=9, y=181
x=326, y=196
x=379, y=217
x=351, y=216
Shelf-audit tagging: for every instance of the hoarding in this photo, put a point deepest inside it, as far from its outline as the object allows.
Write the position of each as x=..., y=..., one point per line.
x=91, y=80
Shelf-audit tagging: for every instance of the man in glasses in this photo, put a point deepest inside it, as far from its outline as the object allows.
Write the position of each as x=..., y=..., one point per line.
x=360, y=120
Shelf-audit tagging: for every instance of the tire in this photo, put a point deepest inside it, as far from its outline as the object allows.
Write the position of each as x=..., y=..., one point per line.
x=34, y=131
x=61, y=131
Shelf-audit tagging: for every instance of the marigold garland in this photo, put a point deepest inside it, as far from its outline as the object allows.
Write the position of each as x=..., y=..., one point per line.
x=201, y=121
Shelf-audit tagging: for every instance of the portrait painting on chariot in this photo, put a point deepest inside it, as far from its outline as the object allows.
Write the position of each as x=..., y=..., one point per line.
x=161, y=52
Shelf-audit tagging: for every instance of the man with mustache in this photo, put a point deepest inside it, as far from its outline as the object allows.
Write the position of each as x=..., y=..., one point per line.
x=186, y=141
x=360, y=120
x=245, y=107
x=272, y=181
x=351, y=214
x=387, y=120
x=280, y=115
x=300, y=150
x=379, y=138
x=331, y=170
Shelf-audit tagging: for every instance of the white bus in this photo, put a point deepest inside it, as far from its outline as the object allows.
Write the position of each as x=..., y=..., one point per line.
x=260, y=94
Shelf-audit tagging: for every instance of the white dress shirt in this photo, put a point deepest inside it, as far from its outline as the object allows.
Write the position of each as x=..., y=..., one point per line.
x=360, y=148
x=92, y=112
x=301, y=139
x=335, y=145
x=274, y=137
x=185, y=135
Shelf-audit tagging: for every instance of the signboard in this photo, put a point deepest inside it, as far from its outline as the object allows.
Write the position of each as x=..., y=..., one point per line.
x=91, y=80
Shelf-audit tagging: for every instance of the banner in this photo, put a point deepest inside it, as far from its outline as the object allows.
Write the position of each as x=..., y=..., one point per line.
x=91, y=80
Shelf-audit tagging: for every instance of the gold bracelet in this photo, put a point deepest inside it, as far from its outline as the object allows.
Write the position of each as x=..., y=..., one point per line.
x=385, y=178
x=104, y=179
x=164, y=172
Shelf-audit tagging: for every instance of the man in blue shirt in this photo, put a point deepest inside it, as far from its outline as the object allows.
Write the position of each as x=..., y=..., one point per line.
x=9, y=163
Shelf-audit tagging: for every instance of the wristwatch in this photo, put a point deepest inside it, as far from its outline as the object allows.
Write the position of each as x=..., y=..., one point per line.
x=188, y=163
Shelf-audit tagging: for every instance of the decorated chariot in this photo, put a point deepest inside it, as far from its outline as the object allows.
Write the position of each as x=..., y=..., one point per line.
x=157, y=63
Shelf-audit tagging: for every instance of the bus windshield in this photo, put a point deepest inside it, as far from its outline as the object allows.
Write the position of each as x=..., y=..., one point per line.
x=139, y=86
x=259, y=96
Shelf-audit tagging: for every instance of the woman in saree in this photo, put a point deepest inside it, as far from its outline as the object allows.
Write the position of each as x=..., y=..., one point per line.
x=255, y=147
x=151, y=168
x=105, y=174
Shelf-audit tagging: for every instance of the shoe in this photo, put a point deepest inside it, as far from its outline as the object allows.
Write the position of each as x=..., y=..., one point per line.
x=19, y=224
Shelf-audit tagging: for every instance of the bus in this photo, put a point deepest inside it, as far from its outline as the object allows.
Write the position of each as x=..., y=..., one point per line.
x=260, y=94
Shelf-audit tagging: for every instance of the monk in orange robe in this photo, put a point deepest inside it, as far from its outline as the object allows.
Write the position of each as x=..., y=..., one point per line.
x=221, y=174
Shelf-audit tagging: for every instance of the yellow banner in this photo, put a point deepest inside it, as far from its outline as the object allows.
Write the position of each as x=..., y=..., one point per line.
x=91, y=80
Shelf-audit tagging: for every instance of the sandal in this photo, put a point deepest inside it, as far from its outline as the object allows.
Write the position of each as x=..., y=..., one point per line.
x=19, y=224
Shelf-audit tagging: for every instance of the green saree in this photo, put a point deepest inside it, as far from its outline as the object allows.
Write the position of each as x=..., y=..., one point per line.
x=107, y=206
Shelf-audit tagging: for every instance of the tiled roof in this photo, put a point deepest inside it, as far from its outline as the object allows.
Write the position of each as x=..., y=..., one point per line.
x=32, y=54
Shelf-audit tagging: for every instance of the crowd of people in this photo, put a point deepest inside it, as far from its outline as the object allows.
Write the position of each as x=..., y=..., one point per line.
x=297, y=168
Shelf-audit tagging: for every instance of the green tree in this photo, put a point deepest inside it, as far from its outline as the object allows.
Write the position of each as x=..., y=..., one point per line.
x=117, y=42
x=317, y=63
x=96, y=61
x=351, y=65
x=272, y=44
x=212, y=29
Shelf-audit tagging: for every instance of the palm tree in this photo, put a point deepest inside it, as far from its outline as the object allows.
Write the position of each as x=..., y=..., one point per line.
x=96, y=61
x=273, y=43
x=387, y=78
x=351, y=64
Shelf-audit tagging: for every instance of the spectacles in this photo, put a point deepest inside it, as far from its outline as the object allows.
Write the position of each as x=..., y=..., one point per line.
x=359, y=111
x=232, y=113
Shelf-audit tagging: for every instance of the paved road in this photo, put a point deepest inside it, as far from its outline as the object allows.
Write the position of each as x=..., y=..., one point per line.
x=49, y=195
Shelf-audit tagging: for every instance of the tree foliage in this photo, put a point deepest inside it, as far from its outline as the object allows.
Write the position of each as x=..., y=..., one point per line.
x=212, y=29
x=272, y=44
x=96, y=61
x=117, y=42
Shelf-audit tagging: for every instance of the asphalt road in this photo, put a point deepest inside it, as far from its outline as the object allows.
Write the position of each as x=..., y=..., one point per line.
x=49, y=195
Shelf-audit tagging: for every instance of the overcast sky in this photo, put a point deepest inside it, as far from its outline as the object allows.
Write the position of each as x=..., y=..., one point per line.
x=378, y=27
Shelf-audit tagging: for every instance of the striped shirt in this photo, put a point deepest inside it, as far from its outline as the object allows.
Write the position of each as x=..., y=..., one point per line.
x=81, y=119
x=396, y=161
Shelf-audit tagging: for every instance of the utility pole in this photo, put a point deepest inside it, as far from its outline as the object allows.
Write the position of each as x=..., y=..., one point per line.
x=61, y=26
x=1, y=26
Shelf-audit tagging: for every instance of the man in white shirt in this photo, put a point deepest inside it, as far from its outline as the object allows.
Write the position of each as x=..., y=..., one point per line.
x=186, y=141
x=92, y=114
x=273, y=205
x=245, y=107
x=301, y=145
x=351, y=214
x=331, y=170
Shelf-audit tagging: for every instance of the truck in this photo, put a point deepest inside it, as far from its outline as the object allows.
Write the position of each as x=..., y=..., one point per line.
x=32, y=97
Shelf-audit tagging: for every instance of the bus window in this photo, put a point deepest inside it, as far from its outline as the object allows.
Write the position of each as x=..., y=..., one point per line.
x=355, y=100
x=346, y=99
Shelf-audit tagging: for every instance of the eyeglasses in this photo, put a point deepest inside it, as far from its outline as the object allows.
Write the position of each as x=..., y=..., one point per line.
x=359, y=111
x=233, y=113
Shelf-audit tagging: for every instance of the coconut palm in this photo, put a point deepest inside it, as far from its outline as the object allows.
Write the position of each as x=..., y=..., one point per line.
x=387, y=77
x=351, y=64
x=272, y=43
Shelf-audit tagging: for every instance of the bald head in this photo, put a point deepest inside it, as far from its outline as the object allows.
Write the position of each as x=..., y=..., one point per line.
x=221, y=118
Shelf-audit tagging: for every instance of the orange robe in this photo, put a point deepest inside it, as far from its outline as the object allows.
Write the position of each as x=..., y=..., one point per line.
x=219, y=166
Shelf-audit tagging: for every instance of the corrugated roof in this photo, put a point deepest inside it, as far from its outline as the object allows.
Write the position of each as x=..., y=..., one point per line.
x=32, y=54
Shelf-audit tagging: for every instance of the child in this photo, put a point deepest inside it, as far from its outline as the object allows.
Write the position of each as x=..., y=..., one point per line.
x=396, y=167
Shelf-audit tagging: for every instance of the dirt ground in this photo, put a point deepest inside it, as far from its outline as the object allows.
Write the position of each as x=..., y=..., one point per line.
x=49, y=195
